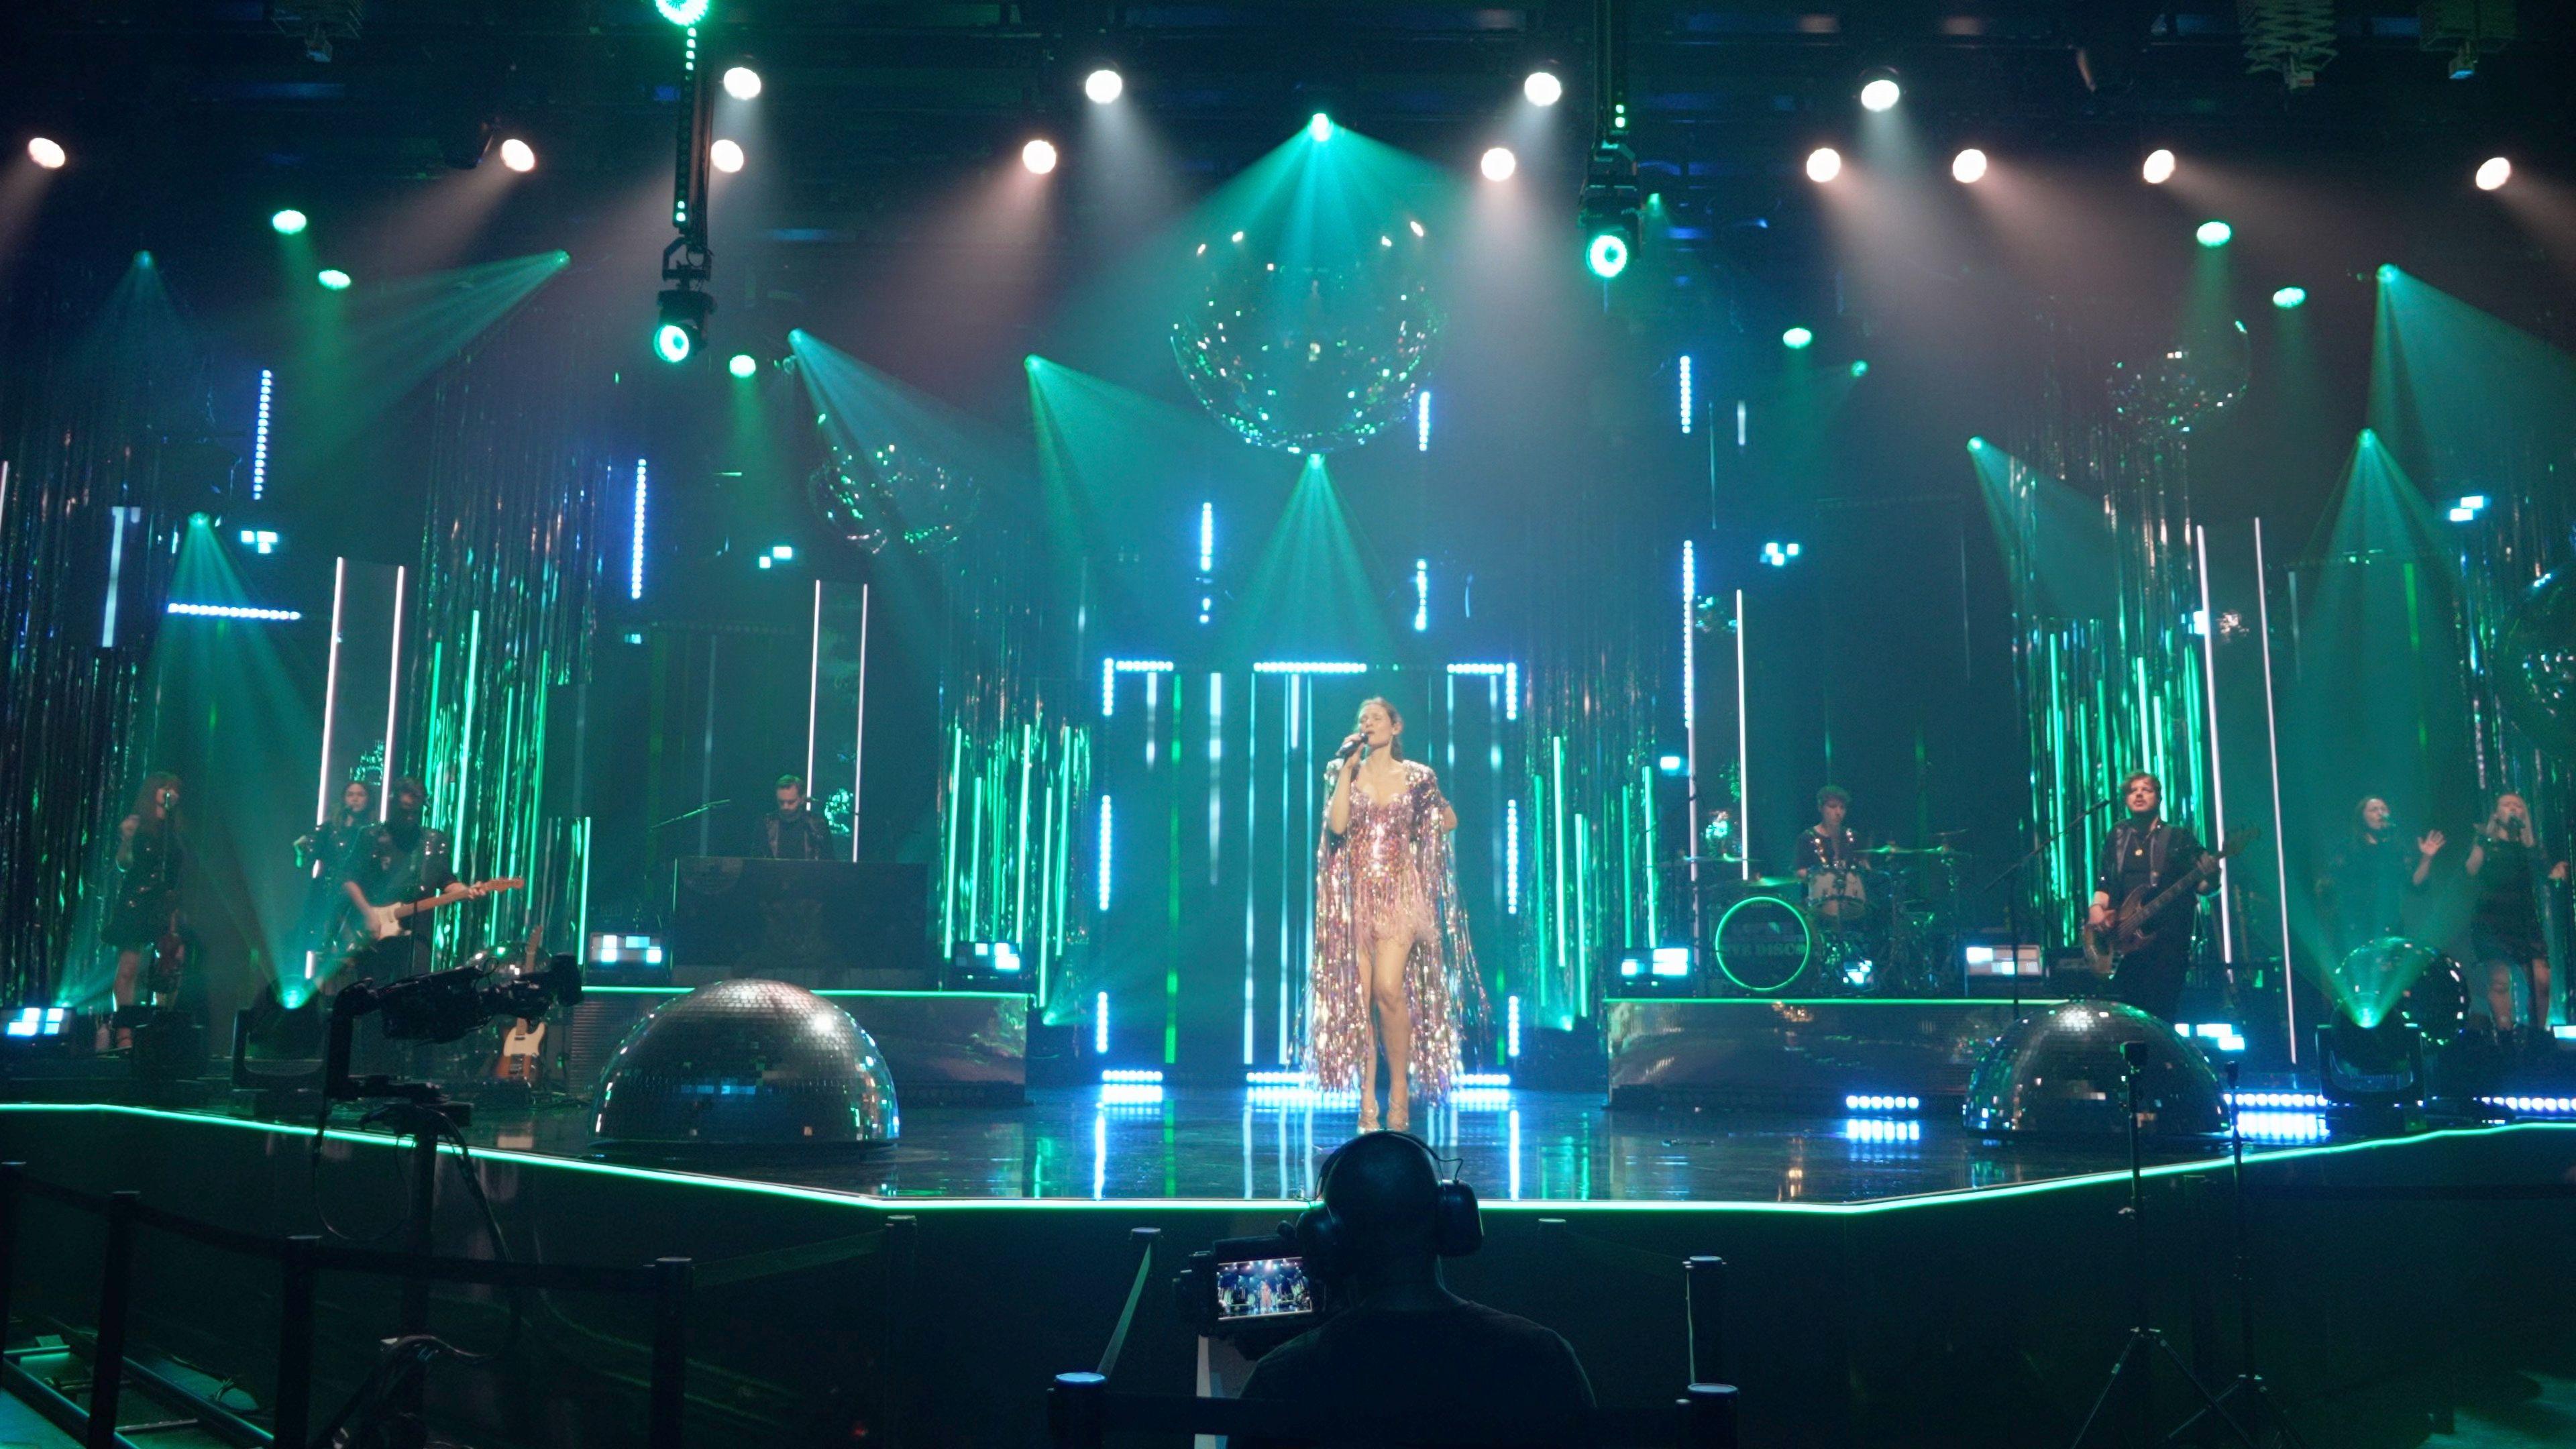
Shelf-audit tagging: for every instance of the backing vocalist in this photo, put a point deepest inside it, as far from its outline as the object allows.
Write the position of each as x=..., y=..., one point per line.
x=1392, y=955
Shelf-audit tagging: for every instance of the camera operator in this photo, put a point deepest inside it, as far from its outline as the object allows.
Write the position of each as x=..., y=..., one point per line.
x=1406, y=1360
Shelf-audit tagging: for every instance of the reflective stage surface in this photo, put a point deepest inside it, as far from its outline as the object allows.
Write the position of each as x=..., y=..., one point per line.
x=1119, y=1142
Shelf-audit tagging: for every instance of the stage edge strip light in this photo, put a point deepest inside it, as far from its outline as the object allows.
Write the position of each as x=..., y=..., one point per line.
x=1308, y=666
x=259, y=437
x=2272, y=737
x=1547, y=1206
x=2217, y=780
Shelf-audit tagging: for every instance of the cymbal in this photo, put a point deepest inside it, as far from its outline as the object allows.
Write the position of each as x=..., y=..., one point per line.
x=1773, y=882
x=1891, y=850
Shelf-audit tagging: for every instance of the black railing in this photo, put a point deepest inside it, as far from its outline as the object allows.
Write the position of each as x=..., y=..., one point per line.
x=301, y=1260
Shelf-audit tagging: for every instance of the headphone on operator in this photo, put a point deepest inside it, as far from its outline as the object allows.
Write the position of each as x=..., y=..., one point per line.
x=1326, y=1238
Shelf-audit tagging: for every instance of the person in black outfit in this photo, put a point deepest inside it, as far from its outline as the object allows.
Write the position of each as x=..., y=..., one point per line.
x=2146, y=851
x=146, y=907
x=402, y=860
x=1403, y=1359
x=2504, y=860
x=2367, y=878
x=795, y=831
x=1828, y=844
x=324, y=854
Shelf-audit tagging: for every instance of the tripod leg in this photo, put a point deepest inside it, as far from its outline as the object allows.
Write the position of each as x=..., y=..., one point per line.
x=2102, y=1400
x=2210, y=1403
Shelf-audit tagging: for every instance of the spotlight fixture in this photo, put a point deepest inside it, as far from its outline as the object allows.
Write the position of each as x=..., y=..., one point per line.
x=1103, y=86
x=1499, y=163
x=1797, y=339
x=332, y=279
x=742, y=364
x=1542, y=88
x=518, y=155
x=1968, y=167
x=1824, y=164
x=1880, y=92
x=47, y=152
x=1611, y=214
x=2289, y=297
x=684, y=311
x=682, y=12
x=1319, y=127
x=1038, y=156
x=742, y=83
x=2493, y=172
x=288, y=222
x=2213, y=233
x=725, y=156
x=2159, y=168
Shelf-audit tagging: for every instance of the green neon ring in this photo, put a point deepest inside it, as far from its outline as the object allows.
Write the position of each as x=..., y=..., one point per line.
x=1806, y=947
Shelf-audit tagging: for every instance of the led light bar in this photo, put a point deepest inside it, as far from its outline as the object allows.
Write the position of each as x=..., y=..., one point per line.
x=236, y=611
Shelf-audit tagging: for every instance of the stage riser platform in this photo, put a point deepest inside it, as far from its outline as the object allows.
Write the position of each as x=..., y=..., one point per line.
x=1804, y=1054
x=1983, y=1318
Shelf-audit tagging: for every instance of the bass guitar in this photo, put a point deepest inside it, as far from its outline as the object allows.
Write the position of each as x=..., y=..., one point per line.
x=383, y=923
x=2140, y=918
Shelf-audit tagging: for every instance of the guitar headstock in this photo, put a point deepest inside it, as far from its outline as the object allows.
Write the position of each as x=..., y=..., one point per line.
x=2237, y=840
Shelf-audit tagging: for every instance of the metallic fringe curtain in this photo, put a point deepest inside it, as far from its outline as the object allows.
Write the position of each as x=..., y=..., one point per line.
x=504, y=629
x=102, y=408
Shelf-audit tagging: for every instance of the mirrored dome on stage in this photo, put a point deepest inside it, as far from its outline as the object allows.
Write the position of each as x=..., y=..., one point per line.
x=2056, y=1072
x=1310, y=346
x=747, y=1064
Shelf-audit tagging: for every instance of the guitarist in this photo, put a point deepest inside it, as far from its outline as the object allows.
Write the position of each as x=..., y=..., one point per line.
x=402, y=860
x=2147, y=851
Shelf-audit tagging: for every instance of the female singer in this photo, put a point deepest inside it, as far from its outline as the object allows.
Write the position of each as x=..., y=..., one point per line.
x=2366, y=879
x=146, y=907
x=2504, y=861
x=324, y=854
x=1389, y=933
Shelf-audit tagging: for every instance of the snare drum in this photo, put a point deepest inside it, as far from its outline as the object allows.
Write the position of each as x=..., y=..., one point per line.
x=1836, y=895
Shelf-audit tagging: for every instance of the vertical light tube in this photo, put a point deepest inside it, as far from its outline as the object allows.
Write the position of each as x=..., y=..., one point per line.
x=1100, y=1024
x=1743, y=751
x=330, y=696
x=859, y=730
x=1512, y=856
x=1512, y=1027
x=1108, y=833
x=2217, y=783
x=393, y=696
x=259, y=437
x=2280, y=848
x=117, y=518
x=1421, y=595
x=1686, y=394
x=1108, y=688
x=635, y=543
x=1422, y=422
x=1743, y=418
x=1556, y=854
x=1207, y=538
x=813, y=686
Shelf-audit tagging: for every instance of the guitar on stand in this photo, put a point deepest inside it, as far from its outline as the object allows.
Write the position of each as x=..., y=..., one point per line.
x=522, y=1058
x=383, y=923
x=2140, y=918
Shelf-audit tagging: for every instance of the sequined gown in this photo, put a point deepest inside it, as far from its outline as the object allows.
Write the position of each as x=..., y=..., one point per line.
x=1389, y=876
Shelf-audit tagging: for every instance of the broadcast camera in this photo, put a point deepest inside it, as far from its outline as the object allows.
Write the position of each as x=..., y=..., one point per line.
x=438, y=1007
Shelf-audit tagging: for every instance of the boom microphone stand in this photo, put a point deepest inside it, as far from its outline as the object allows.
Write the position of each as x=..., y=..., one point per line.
x=2136, y=1365
x=2012, y=907
x=2248, y=1383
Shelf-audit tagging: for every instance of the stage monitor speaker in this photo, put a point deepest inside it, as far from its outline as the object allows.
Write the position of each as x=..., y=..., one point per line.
x=818, y=923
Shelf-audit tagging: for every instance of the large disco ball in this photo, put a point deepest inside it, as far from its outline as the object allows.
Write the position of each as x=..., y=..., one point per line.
x=2057, y=1073
x=2186, y=385
x=2535, y=665
x=1303, y=357
x=891, y=494
x=747, y=1064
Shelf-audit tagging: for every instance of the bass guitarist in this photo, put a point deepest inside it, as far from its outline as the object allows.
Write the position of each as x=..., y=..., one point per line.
x=2147, y=852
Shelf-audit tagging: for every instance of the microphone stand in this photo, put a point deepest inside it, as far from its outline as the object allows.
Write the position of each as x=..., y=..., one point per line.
x=2012, y=912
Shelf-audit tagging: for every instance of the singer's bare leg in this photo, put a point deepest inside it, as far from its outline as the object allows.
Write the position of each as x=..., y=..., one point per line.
x=1368, y=1046
x=1395, y=1028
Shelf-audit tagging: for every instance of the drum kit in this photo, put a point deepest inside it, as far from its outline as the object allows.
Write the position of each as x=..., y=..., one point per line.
x=1885, y=922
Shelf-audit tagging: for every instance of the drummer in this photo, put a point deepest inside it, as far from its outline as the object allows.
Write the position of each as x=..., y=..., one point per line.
x=1828, y=844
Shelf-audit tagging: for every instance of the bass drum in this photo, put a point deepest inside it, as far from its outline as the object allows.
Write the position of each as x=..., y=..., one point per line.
x=1837, y=896
x=1763, y=945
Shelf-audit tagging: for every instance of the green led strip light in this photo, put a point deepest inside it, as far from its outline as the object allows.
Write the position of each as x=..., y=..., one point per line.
x=1552, y=1206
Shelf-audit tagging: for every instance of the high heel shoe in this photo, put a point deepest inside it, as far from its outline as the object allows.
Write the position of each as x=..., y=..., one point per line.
x=1399, y=1117
x=1368, y=1117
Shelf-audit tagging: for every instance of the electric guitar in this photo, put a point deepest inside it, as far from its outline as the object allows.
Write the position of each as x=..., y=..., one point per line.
x=522, y=1046
x=383, y=923
x=2139, y=919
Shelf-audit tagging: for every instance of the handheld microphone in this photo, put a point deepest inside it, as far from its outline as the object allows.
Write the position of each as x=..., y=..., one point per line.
x=1351, y=746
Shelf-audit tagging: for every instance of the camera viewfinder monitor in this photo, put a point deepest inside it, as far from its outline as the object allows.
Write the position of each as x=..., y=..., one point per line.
x=1263, y=1290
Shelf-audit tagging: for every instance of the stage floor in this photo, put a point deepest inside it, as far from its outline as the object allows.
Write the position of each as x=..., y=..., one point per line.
x=1212, y=1144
